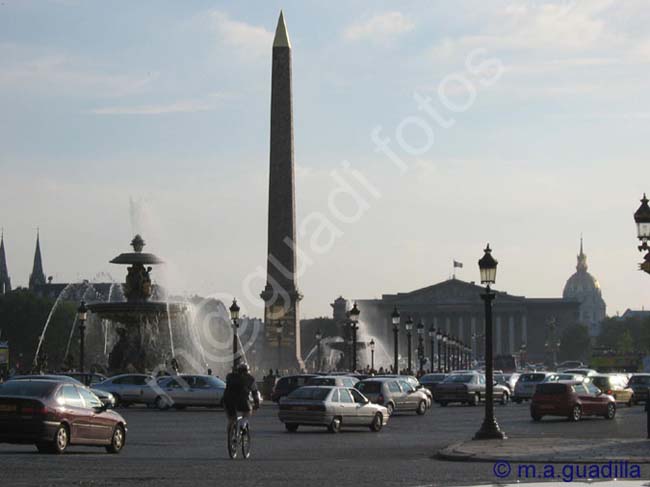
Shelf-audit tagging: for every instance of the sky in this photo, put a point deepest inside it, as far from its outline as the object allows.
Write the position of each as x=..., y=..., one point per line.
x=423, y=130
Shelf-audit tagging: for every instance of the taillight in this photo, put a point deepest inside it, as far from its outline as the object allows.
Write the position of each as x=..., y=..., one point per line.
x=380, y=399
x=34, y=410
x=609, y=392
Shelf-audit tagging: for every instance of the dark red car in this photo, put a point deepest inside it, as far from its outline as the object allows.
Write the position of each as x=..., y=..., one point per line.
x=572, y=400
x=53, y=415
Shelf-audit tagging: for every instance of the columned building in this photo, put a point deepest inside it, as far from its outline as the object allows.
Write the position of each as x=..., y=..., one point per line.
x=456, y=308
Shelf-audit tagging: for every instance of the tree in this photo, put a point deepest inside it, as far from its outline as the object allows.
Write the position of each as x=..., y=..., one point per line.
x=575, y=343
x=633, y=334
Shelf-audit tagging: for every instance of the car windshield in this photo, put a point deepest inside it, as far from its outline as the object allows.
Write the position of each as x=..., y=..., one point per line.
x=565, y=377
x=310, y=393
x=322, y=381
x=432, y=378
x=552, y=389
x=23, y=388
x=461, y=378
x=532, y=377
x=370, y=387
x=640, y=379
x=216, y=381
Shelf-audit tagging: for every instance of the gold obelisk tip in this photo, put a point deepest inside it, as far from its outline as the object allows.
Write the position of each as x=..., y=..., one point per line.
x=281, y=35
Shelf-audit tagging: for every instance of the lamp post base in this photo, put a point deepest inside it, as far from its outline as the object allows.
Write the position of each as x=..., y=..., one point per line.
x=490, y=431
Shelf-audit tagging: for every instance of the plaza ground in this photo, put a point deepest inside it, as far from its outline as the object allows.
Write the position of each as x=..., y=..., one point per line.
x=187, y=448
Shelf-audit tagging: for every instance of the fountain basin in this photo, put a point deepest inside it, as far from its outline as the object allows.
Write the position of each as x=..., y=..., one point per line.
x=134, y=312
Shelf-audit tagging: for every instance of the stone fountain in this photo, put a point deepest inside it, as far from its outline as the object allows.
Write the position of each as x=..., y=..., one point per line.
x=139, y=321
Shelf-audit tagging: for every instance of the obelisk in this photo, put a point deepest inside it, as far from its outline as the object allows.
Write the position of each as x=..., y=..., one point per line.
x=281, y=296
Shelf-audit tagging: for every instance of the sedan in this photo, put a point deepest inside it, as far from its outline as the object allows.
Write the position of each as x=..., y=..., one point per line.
x=640, y=384
x=131, y=389
x=572, y=400
x=396, y=394
x=333, y=380
x=430, y=381
x=333, y=407
x=469, y=389
x=615, y=385
x=105, y=397
x=180, y=391
x=52, y=415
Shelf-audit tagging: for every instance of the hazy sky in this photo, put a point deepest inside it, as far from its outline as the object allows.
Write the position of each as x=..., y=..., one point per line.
x=536, y=130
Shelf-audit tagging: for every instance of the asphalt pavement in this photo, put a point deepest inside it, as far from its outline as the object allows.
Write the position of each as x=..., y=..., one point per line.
x=188, y=448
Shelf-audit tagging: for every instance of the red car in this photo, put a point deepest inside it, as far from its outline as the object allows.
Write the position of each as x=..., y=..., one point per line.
x=572, y=400
x=53, y=415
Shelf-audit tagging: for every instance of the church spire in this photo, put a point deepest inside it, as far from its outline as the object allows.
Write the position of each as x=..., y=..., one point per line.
x=582, y=259
x=37, y=277
x=5, y=282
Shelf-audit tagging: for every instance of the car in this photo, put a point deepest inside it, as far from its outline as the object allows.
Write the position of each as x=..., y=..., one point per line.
x=53, y=415
x=287, y=384
x=509, y=380
x=561, y=376
x=615, y=385
x=86, y=378
x=415, y=383
x=525, y=386
x=640, y=383
x=572, y=400
x=430, y=381
x=468, y=389
x=332, y=380
x=105, y=397
x=583, y=371
x=396, y=394
x=330, y=406
x=570, y=364
x=131, y=389
x=181, y=391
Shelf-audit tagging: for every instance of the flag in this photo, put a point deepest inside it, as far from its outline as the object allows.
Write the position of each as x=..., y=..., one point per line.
x=458, y=264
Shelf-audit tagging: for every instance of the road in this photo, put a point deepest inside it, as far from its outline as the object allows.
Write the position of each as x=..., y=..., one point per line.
x=187, y=448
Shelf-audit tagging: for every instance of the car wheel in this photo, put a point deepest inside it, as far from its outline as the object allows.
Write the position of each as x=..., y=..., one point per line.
x=422, y=408
x=377, y=423
x=61, y=439
x=443, y=404
x=335, y=425
x=576, y=413
x=536, y=417
x=291, y=427
x=505, y=398
x=117, y=440
x=391, y=408
x=161, y=403
x=118, y=400
x=611, y=411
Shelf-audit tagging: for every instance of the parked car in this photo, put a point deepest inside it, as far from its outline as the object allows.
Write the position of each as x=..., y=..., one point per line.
x=525, y=386
x=564, y=377
x=415, y=383
x=105, y=397
x=131, y=389
x=508, y=380
x=572, y=400
x=468, y=389
x=430, y=381
x=52, y=415
x=332, y=380
x=395, y=394
x=570, y=364
x=181, y=391
x=333, y=407
x=289, y=383
x=614, y=385
x=582, y=371
x=640, y=383
x=86, y=378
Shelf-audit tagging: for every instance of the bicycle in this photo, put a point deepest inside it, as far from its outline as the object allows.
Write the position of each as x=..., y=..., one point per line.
x=239, y=434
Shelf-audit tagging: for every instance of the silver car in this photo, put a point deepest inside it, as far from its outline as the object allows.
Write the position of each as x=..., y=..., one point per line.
x=180, y=391
x=330, y=406
x=131, y=389
x=525, y=386
x=396, y=394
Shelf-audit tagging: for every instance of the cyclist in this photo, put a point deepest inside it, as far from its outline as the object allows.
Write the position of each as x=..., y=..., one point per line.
x=241, y=389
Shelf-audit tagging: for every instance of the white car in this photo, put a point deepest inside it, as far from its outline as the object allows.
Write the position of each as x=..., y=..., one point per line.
x=525, y=386
x=180, y=391
x=130, y=389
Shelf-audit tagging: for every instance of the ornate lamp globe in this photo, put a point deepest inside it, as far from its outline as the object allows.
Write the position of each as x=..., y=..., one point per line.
x=82, y=311
x=421, y=328
x=432, y=332
x=279, y=327
x=234, y=310
x=439, y=335
x=372, y=344
x=409, y=324
x=445, y=338
x=354, y=314
x=642, y=219
x=318, y=335
x=395, y=317
x=488, y=267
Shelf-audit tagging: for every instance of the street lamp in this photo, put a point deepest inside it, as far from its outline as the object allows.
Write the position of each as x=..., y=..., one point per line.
x=490, y=428
x=395, y=317
x=445, y=347
x=439, y=340
x=318, y=336
x=432, y=336
x=354, y=320
x=409, y=326
x=82, y=314
x=372, y=354
x=421, y=345
x=234, y=316
x=279, y=327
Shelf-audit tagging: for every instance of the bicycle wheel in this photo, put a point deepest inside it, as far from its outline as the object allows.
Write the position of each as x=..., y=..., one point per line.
x=233, y=439
x=245, y=442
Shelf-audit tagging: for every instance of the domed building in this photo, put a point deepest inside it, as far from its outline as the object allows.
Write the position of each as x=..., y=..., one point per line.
x=584, y=288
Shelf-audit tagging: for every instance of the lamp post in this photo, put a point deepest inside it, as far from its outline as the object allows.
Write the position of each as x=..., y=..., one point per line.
x=318, y=336
x=409, y=326
x=439, y=340
x=490, y=428
x=432, y=336
x=279, y=327
x=452, y=353
x=354, y=320
x=445, y=347
x=82, y=314
x=395, y=317
x=372, y=354
x=234, y=316
x=421, y=346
